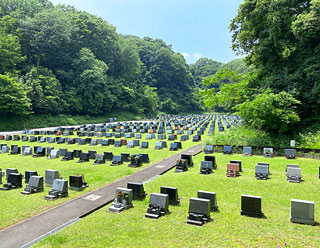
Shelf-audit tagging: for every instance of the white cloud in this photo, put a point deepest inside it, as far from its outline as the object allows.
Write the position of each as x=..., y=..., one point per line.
x=197, y=56
x=185, y=55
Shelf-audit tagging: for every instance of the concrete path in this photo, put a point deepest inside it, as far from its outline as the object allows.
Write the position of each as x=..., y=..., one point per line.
x=24, y=233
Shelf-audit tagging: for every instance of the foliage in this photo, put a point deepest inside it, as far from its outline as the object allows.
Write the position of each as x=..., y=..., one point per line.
x=272, y=112
x=227, y=89
x=281, y=40
x=13, y=99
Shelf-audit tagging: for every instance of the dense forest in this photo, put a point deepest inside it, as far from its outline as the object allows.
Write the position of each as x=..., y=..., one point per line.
x=56, y=59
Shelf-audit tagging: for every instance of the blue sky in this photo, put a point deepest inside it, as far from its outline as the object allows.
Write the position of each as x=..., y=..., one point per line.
x=195, y=28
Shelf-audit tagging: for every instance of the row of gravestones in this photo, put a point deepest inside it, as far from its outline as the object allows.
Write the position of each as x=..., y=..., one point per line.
x=200, y=207
x=247, y=151
x=136, y=160
x=262, y=172
x=126, y=126
x=103, y=142
x=35, y=183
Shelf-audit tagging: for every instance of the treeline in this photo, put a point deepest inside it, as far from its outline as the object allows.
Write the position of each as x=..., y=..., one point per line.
x=56, y=59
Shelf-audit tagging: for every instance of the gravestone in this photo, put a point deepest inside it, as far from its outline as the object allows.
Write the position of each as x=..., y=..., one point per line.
x=62, y=152
x=11, y=170
x=227, y=150
x=290, y=153
x=48, y=151
x=144, y=145
x=33, y=139
x=206, y=167
x=172, y=192
x=261, y=172
x=199, y=211
x=181, y=165
x=138, y=192
x=77, y=183
x=293, y=175
x=247, y=151
x=92, y=154
x=50, y=176
x=39, y=152
x=149, y=137
x=196, y=138
x=233, y=170
x=135, y=161
x=61, y=141
x=208, y=149
x=130, y=144
x=1, y=175
x=81, y=141
x=158, y=146
x=100, y=159
x=42, y=140
x=125, y=157
x=158, y=206
x=164, y=144
x=251, y=206
x=188, y=157
x=302, y=212
x=25, y=138
x=59, y=189
x=27, y=151
x=108, y=156
x=145, y=158
x=29, y=174
x=173, y=147
x=69, y=156
x=105, y=142
x=209, y=196
x=267, y=152
x=117, y=143
x=35, y=185
x=84, y=157
x=14, y=181
x=237, y=162
x=117, y=160
x=5, y=149
x=15, y=150
x=212, y=159
x=93, y=142
x=179, y=144
x=138, y=136
x=122, y=201
x=292, y=166
x=136, y=142
x=170, y=138
x=16, y=138
x=124, y=142
x=54, y=154
x=76, y=153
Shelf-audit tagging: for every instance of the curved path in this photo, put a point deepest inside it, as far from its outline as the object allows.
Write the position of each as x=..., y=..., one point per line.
x=29, y=231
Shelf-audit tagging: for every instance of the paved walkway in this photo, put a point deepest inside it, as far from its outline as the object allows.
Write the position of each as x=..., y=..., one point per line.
x=25, y=232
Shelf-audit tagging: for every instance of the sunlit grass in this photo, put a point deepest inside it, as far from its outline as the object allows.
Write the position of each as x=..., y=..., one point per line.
x=228, y=228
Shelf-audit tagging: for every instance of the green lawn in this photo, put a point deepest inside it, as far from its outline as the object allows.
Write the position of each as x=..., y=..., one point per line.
x=228, y=228
x=16, y=207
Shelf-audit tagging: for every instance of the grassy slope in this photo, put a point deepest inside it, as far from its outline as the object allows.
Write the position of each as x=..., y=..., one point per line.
x=229, y=228
x=15, y=207
x=37, y=121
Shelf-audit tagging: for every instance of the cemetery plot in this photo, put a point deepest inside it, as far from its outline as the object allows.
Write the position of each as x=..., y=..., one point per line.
x=171, y=230
x=84, y=156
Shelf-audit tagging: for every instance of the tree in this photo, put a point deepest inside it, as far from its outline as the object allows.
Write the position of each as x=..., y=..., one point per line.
x=13, y=98
x=281, y=39
x=203, y=68
x=271, y=112
x=10, y=53
x=44, y=90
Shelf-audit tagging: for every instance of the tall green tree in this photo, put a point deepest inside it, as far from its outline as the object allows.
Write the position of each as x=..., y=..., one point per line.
x=13, y=97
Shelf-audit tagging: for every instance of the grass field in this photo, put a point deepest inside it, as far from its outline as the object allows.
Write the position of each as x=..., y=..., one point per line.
x=16, y=207
x=228, y=228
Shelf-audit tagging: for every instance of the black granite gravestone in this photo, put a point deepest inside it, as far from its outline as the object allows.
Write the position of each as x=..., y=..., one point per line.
x=138, y=192
x=172, y=192
x=251, y=206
